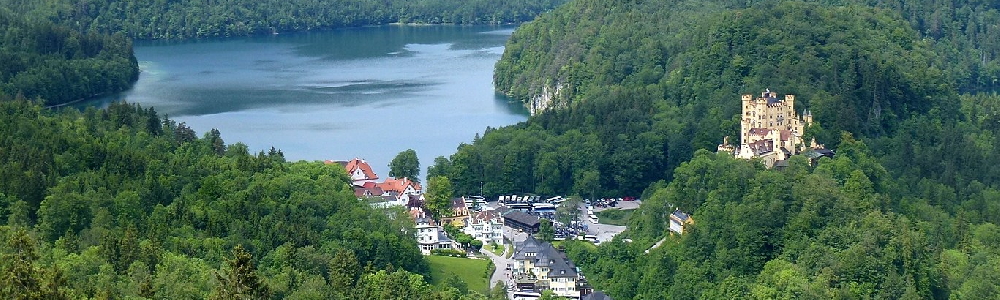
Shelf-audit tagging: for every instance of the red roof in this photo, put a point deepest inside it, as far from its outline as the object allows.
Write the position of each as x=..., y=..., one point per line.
x=397, y=185
x=358, y=163
x=786, y=134
x=759, y=131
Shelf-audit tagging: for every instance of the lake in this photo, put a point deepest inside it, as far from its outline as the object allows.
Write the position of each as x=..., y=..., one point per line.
x=361, y=92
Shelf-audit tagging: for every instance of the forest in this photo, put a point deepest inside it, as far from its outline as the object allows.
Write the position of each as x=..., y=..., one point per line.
x=645, y=84
x=186, y=19
x=41, y=60
x=124, y=203
x=639, y=93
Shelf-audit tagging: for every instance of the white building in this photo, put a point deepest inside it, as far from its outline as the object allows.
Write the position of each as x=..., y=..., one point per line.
x=540, y=265
x=485, y=226
x=430, y=236
x=678, y=220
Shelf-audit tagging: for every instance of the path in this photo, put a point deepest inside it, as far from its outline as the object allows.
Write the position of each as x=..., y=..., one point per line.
x=500, y=274
x=657, y=245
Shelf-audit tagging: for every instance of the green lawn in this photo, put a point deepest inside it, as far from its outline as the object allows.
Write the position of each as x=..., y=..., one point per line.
x=586, y=244
x=498, y=250
x=615, y=216
x=472, y=271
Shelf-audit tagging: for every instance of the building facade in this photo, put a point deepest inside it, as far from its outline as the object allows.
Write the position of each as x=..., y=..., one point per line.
x=486, y=226
x=770, y=129
x=540, y=266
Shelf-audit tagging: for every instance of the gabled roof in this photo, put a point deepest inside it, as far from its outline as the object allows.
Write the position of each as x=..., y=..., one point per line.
x=786, y=135
x=596, y=295
x=458, y=203
x=355, y=164
x=522, y=217
x=398, y=184
x=762, y=147
x=545, y=256
x=358, y=163
x=681, y=217
x=367, y=190
x=759, y=131
x=415, y=201
x=484, y=217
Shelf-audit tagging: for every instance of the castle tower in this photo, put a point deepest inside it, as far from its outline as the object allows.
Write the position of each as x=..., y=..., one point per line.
x=770, y=129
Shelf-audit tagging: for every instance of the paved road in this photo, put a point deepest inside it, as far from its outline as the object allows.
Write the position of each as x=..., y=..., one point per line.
x=500, y=274
x=606, y=232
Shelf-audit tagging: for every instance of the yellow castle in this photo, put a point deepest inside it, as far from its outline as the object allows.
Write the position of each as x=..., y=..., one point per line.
x=770, y=129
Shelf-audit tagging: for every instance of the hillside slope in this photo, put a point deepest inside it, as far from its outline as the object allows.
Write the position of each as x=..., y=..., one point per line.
x=39, y=59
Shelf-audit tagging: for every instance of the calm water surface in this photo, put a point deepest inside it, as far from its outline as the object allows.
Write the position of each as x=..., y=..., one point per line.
x=364, y=92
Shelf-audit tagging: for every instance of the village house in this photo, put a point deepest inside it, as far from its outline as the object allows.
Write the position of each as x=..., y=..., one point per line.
x=359, y=170
x=539, y=266
x=431, y=237
x=400, y=189
x=486, y=226
x=522, y=221
x=770, y=130
x=678, y=220
x=459, y=213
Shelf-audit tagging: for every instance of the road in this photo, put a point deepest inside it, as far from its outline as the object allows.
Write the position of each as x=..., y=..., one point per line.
x=500, y=274
x=606, y=232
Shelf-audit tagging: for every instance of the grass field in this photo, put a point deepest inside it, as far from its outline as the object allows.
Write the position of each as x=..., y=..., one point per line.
x=615, y=216
x=587, y=244
x=472, y=271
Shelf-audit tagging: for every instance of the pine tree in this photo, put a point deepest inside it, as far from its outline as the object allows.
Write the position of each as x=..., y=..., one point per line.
x=240, y=281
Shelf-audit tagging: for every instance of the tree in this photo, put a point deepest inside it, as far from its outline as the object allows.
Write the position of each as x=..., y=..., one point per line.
x=405, y=164
x=545, y=230
x=498, y=292
x=441, y=167
x=344, y=270
x=240, y=281
x=439, y=193
x=569, y=210
x=21, y=278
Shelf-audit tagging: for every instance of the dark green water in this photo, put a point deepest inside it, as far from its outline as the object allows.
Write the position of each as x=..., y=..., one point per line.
x=364, y=92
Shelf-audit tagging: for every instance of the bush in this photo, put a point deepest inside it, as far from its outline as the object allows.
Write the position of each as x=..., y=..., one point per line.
x=448, y=252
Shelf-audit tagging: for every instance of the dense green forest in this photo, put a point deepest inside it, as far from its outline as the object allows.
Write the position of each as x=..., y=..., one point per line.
x=905, y=93
x=123, y=203
x=39, y=59
x=201, y=18
x=844, y=229
x=646, y=83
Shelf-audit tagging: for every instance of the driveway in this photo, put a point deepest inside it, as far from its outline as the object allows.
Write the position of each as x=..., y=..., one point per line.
x=500, y=274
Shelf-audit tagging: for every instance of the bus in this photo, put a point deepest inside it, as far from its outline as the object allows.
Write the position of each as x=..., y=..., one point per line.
x=544, y=207
x=519, y=206
x=526, y=295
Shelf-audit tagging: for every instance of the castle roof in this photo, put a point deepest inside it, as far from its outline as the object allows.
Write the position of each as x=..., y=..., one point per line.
x=762, y=147
x=759, y=131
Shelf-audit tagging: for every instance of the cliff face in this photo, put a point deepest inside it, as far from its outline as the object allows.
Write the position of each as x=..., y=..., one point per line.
x=546, y=100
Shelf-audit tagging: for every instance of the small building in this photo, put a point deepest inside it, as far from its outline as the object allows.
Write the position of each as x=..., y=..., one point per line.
x=431, y=237
x=539, y=264
x=521, y=221
x=359, y=170
x=486, y=226
x=597, y=295
x=400, y=189
x=678, y=220
x=459, y=213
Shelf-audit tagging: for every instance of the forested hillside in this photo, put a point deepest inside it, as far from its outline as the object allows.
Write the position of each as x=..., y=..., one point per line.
x=201, y=18
x=122, y=203
x=905, y=93
x=39, y=59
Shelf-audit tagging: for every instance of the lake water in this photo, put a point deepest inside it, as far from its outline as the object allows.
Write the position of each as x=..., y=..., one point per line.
x=363, y=92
